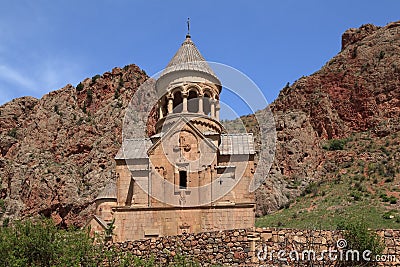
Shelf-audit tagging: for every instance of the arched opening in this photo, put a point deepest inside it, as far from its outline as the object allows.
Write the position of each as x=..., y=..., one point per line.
x=193, y=102
x=207, y=104
x=162, y=111
x=178, y=102
x=164, y=106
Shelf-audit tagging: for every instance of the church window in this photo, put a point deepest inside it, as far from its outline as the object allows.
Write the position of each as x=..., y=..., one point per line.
x=182, y=179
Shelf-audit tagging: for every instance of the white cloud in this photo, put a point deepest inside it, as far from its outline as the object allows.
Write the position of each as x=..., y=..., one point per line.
x=12, y=76
x=54, y=73
x=37, y=78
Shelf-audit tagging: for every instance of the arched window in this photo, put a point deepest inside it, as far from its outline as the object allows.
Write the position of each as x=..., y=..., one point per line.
x=178, y=102
x=193, y=102
x=207, y=104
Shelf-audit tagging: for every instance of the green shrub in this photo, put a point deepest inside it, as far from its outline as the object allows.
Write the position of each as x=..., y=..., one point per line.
x=110, y=229
x=94, y=78
x=360, y=238
x=311, y=188
x=384, y=197
x=6, y=221
x=41, y=243
x=356, y=196
x=57, y=110
x=116, y=93
x=381, y=55
x=354, y=52
x=388, y=215
x=79, y=87
x=392, y=200
x=389, y=179
x=89, y=97
x=2, y=205
x=121, y=83
x=181, y=260
x=12, y=133
x=335, y=144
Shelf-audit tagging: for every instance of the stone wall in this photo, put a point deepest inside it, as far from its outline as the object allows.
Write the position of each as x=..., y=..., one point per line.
x=138, y=223
x=256, y=247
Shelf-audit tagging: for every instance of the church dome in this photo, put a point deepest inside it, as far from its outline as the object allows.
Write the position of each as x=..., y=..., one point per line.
x=187, y=62
x=188, y=57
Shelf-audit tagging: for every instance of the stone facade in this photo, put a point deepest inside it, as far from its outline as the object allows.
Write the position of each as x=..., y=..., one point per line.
x=246, y=247
x=189, y=177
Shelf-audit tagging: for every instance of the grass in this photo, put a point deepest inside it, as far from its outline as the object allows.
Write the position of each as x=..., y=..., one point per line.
x=327, y=216
x=365, y=188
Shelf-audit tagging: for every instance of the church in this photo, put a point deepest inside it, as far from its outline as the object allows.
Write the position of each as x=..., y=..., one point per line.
x=191, y=175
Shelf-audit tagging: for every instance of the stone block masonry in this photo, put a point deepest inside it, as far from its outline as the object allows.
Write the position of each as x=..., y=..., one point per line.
x=255, y=247
x=220, y=247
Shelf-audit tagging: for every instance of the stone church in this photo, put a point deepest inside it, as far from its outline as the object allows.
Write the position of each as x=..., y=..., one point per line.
x=191, y=176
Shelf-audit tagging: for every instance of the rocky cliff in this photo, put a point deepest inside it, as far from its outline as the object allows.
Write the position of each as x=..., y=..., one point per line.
x=57, y=152
x=356, y=91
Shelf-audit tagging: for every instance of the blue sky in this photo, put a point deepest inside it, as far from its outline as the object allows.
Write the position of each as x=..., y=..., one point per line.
x=46, y=44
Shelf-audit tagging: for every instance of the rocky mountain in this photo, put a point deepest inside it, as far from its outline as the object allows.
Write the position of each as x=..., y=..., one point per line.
x=57, y=152
x=356, y=91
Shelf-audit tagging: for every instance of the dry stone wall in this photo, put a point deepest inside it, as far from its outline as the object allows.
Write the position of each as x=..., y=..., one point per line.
x=257, y=247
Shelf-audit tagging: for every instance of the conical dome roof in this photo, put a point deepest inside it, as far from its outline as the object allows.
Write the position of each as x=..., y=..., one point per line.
x=189, y=59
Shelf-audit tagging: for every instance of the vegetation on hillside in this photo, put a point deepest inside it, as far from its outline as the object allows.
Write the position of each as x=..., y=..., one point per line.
x=362, y=183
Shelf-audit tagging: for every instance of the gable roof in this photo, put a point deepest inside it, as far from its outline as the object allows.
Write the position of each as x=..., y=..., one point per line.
x=172, y=130
x=237, y=144
x=109, y=192
x=134, y=149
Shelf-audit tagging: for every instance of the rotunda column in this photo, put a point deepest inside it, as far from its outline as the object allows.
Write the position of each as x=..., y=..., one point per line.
x=201, y=104
x=170, y=104
x=185, y=102
x=217, y=108
x=160, y=110
x=212, y=108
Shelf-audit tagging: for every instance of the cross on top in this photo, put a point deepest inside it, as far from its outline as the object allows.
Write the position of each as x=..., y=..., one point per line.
x=188, y=27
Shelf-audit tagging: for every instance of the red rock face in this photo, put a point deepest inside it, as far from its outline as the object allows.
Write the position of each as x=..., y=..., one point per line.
x=353, y=35
x=57, y=152
x=358, y=90
x=355, y=91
